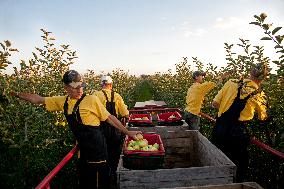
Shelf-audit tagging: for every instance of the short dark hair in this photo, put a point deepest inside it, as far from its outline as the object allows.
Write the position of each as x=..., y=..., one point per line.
x=71, y=76
x=198, y=73
x=258, y=71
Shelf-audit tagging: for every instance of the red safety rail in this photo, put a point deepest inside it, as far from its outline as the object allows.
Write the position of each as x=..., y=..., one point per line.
x=44, y=184
x=253, y=140
x=266, y=147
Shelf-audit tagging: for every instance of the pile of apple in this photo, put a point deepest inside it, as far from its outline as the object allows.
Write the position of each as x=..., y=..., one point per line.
x=141, y=144
x=139, y=118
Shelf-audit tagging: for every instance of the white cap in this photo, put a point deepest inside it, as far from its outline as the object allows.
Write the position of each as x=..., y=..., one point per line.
x=106, y=79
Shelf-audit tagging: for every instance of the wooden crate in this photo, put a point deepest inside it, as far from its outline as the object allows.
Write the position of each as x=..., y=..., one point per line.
x=190, y=160
x=244, y=185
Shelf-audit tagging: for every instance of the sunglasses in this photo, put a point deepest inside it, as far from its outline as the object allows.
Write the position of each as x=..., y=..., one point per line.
x=77, y=85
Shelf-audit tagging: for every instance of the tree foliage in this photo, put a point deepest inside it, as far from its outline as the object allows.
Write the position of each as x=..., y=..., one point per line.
x=33, y=140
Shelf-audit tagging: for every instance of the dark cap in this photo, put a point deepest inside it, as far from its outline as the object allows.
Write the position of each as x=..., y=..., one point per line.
x=73, y=78
x=198, y=73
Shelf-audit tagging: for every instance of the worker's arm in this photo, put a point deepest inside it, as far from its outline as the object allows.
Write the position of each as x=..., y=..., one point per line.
x=117, y=124
x=215, y=105
x=33, y=98
x=206, y=116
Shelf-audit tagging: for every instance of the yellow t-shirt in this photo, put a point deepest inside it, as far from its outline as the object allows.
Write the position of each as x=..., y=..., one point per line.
x=228, y=93
x=91, y=110
x=195, y=96
x=120, y=107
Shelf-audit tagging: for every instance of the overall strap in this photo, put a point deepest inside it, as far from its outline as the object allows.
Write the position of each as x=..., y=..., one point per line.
x=105, y=95
x=77, y=103
x=65, y=107
x=241, y=84
x=249, y=95
x=112, y=96
x=76, y=109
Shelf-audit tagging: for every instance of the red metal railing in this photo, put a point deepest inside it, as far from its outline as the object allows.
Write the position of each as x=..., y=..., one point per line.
x=44, y=184
x=253, y=140
x=267, y=148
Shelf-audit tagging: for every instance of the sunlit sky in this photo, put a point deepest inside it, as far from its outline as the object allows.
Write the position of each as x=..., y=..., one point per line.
x=137, y=36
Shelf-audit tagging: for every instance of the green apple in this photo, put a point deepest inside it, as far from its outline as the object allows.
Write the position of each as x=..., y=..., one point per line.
x=136, y=147
x=143, y=143
x=156, y=146
x=130, y=148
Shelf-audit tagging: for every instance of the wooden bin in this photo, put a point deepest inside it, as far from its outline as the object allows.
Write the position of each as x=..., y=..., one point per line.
x=244, y=185
x=190, y=160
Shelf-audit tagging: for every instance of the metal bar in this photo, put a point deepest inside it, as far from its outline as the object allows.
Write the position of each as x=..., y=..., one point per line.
x=45, y=182
x=254, y=141
x=266, y=147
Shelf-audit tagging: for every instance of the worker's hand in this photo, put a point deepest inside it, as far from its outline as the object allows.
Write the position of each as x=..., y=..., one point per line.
x=133, y=134
x=12, y=93
x=212, y=120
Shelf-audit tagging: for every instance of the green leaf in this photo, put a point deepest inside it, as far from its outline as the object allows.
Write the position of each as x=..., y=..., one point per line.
x=282, y=51
x=278, y=46
x=8, y=43
x=35, y=55
x=276, y=30
x=257, y=17
x=279, y=38
x=255, y=23
x=282, y=56
x=265, y=38
x=3, y=46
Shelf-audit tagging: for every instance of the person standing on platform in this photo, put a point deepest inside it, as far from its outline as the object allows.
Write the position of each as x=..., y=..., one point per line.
x=116, y=107
x=195, y=98
x=83, y=114
x=237, y=102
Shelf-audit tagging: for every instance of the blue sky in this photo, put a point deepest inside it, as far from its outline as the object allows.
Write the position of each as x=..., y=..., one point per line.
x=138, y=36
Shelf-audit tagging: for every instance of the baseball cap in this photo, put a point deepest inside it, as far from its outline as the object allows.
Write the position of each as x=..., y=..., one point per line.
x=198, y=73
x=106, y=79
x=73, y=79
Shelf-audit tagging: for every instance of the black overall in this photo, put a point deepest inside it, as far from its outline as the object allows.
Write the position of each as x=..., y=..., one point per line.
x=230, y=136
x=92, y=166
x=113, y=136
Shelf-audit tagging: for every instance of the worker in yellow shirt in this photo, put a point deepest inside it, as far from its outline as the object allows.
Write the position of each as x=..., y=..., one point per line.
x=237, y=102
x=116, y=107
x=84, y=114
x=195, y=98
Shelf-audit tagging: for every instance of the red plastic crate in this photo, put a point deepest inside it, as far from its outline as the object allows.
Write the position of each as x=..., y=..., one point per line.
x=137, y=120
x=170, y=118
x=152, y=139
x=138, y=159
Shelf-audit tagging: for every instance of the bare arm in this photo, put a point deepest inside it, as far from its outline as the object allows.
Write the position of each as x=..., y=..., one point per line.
x=206, y=116
x=33, y=98
x=117, y=124
x=215, y=105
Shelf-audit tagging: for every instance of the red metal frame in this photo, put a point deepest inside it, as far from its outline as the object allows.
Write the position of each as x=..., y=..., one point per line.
x=44, y=184
x=267, y=148
x=154, y=110
x=254, y=141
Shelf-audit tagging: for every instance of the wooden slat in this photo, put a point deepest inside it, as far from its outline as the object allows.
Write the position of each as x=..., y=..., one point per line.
x=190, y=160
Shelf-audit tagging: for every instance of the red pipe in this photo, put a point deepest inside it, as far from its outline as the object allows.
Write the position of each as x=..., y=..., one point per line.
x=253, y=140
x=266, y=147
x=45, y=182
